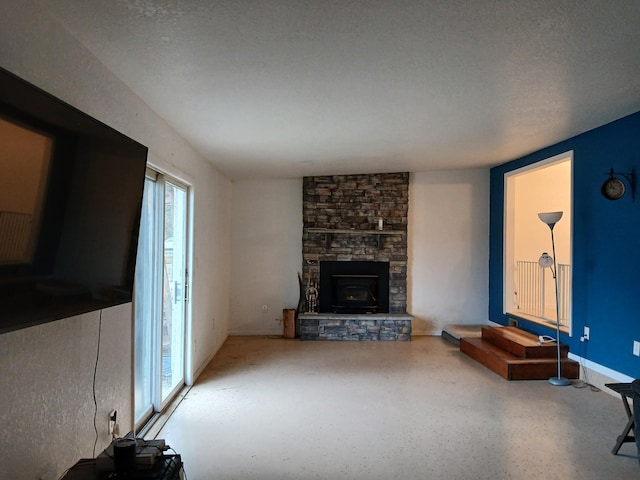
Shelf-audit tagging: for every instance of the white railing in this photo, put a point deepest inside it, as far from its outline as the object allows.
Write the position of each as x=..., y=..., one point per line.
x=532, y=297
x=15, y=229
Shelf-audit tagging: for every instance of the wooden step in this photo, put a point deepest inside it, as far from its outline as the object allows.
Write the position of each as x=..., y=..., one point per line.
x=512, y=367
x=522, y=344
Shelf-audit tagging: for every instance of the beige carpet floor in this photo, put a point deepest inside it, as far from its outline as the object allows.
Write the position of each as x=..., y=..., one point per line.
x=269, y=408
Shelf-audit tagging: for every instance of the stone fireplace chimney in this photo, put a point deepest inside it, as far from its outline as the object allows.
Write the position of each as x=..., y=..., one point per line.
x=357, y=218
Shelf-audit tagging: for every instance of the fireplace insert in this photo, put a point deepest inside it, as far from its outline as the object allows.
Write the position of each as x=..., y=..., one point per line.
x=354, y=287
x=354, y=293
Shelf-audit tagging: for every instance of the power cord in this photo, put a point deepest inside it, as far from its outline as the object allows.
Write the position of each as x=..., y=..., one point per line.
x=584, y=383
x=184, y=472
x=95, y=399
x=542, y=339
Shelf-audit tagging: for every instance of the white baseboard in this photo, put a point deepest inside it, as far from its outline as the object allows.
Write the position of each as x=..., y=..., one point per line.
x=598, y=375
x=197, y=373
x=256, y=333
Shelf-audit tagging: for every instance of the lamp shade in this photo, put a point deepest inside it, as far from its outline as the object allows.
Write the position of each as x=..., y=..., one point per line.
x=545, y=260
x=550, y=218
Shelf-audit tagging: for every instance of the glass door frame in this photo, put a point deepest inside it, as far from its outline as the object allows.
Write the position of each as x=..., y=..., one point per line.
x=159, y=180
x=167, y=397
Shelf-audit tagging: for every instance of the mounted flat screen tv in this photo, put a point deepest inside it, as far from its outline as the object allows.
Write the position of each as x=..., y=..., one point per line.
x=70, y=201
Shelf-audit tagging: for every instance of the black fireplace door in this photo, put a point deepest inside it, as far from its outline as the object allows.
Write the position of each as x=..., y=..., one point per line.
x=354, y=287
x=355, y=293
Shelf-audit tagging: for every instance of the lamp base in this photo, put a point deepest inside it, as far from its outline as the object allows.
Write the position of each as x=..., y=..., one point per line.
x=559, y=381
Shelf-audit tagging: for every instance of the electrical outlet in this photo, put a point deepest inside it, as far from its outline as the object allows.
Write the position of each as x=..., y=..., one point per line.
x=586, y=333
x=636, y=348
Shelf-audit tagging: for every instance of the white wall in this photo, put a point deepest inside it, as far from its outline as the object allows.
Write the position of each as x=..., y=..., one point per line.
x=547, y=189
x=46, y=370
x=267, y=254
x=47, y=391
x=210, y=268
x=448, y=249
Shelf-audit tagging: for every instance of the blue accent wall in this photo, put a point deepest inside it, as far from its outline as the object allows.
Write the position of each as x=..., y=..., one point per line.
x=606, y=245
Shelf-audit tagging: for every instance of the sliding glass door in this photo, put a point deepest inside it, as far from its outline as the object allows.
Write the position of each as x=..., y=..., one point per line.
x=173, y=289
x=160, y=298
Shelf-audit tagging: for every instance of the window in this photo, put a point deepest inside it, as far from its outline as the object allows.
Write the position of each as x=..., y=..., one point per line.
x=529, y=290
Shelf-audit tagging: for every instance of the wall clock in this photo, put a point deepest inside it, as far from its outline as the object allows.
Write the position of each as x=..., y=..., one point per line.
x=613, y=188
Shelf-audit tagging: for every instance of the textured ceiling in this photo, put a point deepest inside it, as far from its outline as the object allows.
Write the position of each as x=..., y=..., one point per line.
x=290, y=88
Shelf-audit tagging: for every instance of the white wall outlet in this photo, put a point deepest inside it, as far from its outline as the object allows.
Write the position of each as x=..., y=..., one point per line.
x=636, y=348
x=585, y=334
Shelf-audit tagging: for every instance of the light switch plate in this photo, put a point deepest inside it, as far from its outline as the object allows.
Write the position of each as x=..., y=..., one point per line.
x=636, y=348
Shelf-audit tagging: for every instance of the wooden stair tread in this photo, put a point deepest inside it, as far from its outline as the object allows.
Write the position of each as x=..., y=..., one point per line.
x=512, y=366
x=522, y=344
x=489, y=347
x=516, y=335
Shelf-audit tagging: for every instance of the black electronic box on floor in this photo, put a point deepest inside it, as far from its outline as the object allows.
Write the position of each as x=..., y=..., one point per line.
x=148, y=461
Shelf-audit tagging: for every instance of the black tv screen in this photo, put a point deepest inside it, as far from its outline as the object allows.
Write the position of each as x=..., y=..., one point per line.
x=70, y=201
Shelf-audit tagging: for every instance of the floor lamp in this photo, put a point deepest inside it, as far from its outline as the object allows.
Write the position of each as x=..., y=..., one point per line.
x=545, y=261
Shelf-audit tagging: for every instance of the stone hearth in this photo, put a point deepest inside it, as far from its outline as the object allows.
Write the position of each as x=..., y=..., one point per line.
x=355, y=327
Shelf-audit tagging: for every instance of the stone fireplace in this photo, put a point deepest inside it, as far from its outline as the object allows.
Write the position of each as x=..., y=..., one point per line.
x=355, y=252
